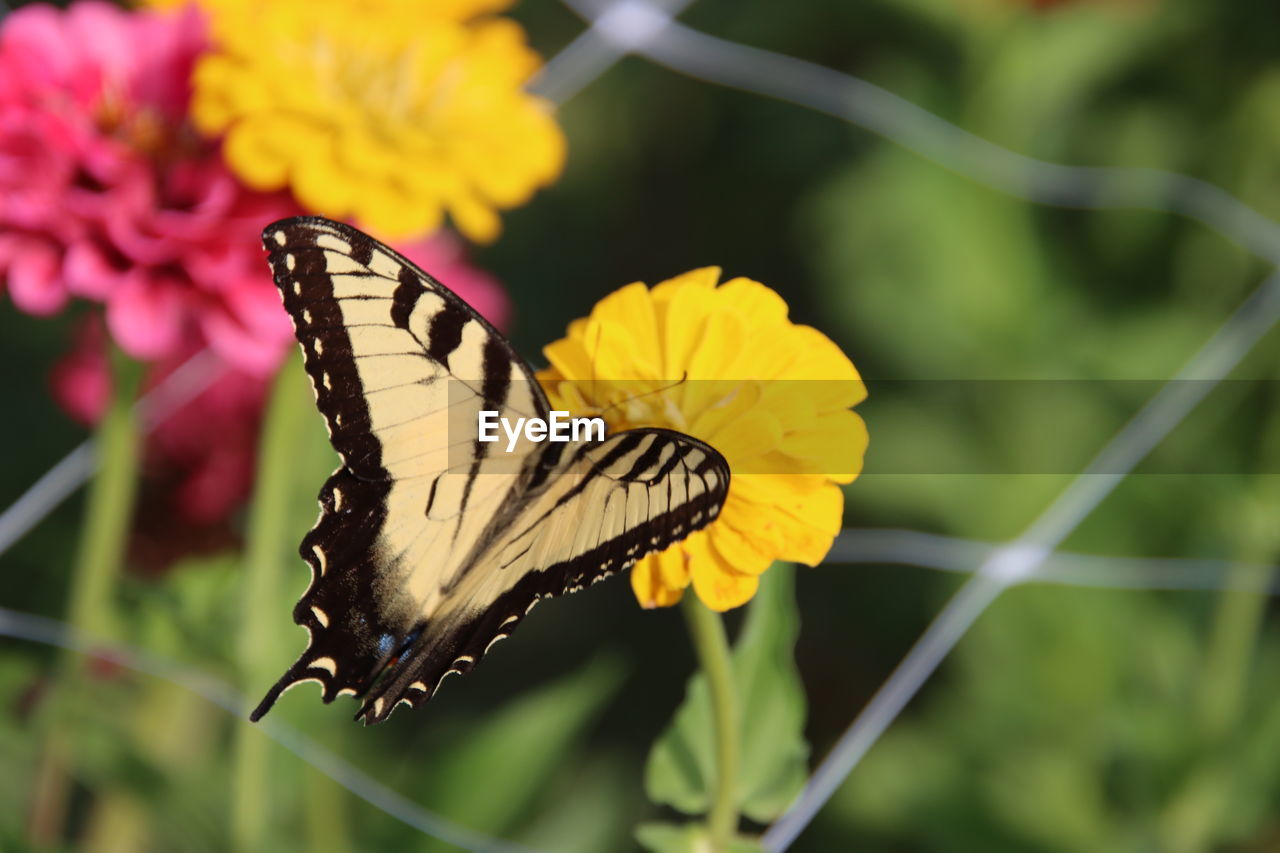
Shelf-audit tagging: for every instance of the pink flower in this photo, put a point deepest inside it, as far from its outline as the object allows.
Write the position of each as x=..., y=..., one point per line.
x=107, y=194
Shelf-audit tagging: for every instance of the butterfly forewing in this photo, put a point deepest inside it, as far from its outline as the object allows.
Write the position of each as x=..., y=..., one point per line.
x=431, y=543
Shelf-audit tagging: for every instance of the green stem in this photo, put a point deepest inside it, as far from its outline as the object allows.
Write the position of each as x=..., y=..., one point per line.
x=110, y=507
x=90, y=607
x=326, y=816
x=712, y=646
x=1237, y=623
x=267, y=557
x=1199, y=805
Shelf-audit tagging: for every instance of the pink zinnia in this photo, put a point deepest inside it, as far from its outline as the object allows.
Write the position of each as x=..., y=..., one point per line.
x=106, y=193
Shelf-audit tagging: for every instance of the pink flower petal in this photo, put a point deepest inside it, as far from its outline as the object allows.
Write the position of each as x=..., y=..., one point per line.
x=89, y=272
x=172, y=42
x=34, y=44
x=81, y=380
x=145, y=315
x=253, y=353
x=35, y=280
x=217, y=484
x=102, y=34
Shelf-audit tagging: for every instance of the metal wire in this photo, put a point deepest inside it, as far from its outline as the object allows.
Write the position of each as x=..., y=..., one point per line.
x=57, y=484
x=952, y=554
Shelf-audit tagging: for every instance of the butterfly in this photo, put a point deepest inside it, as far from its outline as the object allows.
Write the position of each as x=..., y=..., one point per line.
x=431, y=544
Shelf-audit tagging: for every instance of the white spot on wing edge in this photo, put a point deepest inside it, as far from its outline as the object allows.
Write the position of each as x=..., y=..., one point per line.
x=321, y=616
x=330, y=240
x=296, y=682
x=329, y=665
x=320, y=558
x=279, y=238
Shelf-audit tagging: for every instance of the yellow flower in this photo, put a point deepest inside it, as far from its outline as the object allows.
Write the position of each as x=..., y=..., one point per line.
x=723, y=364
x=391, y=112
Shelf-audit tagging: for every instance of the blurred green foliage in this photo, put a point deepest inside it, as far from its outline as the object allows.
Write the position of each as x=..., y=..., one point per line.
x=1069, y=720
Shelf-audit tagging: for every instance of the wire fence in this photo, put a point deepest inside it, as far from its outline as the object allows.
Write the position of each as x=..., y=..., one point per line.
x=650, y=30
x=963, y=556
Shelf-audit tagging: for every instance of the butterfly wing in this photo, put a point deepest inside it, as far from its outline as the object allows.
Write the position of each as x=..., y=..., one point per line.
x=429, y=547
x=593, y=510
x=395, y=359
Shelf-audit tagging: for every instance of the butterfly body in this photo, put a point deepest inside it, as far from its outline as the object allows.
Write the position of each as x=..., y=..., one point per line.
x=431, y=544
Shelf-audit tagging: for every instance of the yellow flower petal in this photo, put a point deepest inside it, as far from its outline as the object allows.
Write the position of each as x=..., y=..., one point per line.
x=649, y=589
x=727, y=402
x=474, y=218
x=720, y=586
x=833, y=446
x=631, y=307
x=681, y=317
x=761, y=306
x=703, y=278
x=673, y=566
x=569, y=358
x=739, y=551
x=744, y=438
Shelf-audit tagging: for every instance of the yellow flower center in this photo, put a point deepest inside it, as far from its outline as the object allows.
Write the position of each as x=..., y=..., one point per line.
x=361, y=74
x=392, y=112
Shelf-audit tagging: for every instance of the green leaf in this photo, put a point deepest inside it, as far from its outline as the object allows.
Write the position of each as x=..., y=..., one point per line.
x=686, y=838
x=511, y=756
x=590, y=808
x=773, y=754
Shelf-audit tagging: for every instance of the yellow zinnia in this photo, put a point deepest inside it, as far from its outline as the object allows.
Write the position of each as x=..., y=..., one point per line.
x=725, y=365
x=391, y=112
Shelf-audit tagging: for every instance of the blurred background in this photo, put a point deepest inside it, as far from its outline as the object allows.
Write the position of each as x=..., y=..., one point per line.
x=1068, y=719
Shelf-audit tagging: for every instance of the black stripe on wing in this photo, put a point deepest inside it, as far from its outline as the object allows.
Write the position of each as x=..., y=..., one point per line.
x=298, y=251
x=446, y=646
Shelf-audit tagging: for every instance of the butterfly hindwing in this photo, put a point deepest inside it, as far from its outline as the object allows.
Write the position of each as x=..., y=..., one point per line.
x=430, y=544
x=604, y=506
